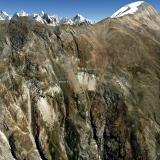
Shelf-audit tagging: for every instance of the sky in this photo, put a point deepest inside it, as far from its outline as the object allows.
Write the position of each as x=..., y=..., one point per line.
x=92, y=9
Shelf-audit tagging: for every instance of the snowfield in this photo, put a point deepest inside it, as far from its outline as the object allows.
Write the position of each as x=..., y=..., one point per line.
x=128, y=9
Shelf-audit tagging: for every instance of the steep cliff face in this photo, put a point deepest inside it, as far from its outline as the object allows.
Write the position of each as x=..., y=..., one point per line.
x=80, y=92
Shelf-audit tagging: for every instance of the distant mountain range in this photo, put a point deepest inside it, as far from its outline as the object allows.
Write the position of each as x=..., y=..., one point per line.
x=54, y=20
x=48, y=19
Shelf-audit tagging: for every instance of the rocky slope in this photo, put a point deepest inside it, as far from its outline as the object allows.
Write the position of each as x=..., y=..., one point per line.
x=89, y=92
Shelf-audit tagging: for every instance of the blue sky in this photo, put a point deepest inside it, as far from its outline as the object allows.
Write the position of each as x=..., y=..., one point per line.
x=92, y=9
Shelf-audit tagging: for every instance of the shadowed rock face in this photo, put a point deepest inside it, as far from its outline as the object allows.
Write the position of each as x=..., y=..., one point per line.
x=80, y=93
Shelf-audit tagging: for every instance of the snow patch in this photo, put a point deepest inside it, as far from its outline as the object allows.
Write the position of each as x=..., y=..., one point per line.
x=47, y=112
x=54, y=90
x=128, y=9
x=4, y=138
x=5, y=153
x=87, y=80
x=123, y=84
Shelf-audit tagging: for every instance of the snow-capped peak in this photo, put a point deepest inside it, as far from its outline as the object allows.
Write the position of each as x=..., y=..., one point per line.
x=128, y=9
x=38, y=18
x=79, y=19
x=51, y=20
x=4, y=16
x=55, y=20
x=65, y=20
x=21, y=14
x=45, y=18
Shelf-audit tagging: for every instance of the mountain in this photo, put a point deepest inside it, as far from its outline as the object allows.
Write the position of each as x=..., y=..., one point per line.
x=38, y=18
x=79, y=19
x=4, y=16
x=21, y=14
x=65, y=20
x=51, y=20
x=135, y=8
x=80, y=92
x=55, y=21
x=128, y=9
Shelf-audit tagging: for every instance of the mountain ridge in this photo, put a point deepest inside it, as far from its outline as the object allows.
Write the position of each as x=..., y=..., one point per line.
x=129, y=9
x=48, y=19
x=134, y=8
x=88, y=92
